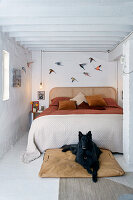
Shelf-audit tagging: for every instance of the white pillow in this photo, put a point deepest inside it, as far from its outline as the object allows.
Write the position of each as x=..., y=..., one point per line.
x=79, y=98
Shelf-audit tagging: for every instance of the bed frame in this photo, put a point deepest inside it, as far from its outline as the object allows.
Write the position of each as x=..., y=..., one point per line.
x=106, y=92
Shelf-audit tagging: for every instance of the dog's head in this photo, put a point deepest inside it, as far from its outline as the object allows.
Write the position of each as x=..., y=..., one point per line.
x=85, y=139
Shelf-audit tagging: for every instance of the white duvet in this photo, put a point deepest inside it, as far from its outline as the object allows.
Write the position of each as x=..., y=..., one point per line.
x=53, y=131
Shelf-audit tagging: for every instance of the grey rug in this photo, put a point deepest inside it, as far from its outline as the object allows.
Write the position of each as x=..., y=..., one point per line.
x=85, y=189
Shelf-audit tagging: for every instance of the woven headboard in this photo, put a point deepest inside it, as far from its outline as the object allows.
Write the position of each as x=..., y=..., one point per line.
x=107, y=92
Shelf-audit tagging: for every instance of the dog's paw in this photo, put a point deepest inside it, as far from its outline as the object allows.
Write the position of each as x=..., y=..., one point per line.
x=63, y=150
x=89, y=171
x=94, y=178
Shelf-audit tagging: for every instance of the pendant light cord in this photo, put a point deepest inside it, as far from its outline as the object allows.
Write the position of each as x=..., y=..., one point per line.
x=117, y=81
x=41, y=66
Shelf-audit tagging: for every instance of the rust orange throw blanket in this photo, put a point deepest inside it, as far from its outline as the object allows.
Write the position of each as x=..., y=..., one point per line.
x=53, y=110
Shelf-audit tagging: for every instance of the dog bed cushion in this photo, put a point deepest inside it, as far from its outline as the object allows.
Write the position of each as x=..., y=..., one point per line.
x=58, y=164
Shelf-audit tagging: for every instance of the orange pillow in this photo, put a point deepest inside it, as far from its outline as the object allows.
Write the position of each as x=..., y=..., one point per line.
x=96, y=100
x=55, y=101
x=67, y=105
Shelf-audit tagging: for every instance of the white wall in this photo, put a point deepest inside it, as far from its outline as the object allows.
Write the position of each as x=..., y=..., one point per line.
x=120, y=83
x=128, y=103
x=71, y=60
x=14, y=113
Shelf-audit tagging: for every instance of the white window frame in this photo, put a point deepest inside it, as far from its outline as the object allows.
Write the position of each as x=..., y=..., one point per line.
x=5, y=75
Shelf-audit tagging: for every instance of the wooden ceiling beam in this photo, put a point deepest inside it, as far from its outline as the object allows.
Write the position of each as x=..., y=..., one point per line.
x=68, y=28
x=5, y=21
x=76, y=42
x=67, y=34
x=115, y=39
x=65, y=8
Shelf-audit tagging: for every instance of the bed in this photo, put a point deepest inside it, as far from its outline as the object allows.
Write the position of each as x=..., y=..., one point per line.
x=54, y=128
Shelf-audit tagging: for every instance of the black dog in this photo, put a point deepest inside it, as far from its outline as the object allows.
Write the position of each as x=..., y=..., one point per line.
x=87, y=153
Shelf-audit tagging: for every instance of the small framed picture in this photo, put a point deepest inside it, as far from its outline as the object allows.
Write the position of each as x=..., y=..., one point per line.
x=41, y=95
x=16, y=77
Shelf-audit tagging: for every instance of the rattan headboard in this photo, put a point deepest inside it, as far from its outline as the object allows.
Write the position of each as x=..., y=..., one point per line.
x=107, y=92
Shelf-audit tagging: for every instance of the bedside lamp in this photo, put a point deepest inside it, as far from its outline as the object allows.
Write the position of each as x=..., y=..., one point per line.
x=41, y=86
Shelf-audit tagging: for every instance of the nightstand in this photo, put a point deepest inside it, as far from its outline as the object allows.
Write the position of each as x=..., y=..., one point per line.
x=35, y=114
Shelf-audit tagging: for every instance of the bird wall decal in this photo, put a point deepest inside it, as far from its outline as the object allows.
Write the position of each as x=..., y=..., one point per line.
x=98, y=68
x=86, y=74
x=58, y=63
x=23, y=68
x=82, y=65
x=91, y=59
x=73, y=79
x=29, y=63
x=51, y=70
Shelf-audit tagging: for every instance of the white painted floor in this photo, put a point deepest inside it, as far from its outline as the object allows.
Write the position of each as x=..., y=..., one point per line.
x=19, y=181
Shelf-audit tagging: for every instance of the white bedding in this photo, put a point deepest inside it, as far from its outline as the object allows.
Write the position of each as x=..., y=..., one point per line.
x=53, y=131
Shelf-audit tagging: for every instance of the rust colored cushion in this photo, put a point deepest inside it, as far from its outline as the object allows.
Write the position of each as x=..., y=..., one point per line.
x=111, y=102
x=59, y=164
x=95, y=101
x=55, y=101
x=97, y=108
x=83, y=105
x=67, y=105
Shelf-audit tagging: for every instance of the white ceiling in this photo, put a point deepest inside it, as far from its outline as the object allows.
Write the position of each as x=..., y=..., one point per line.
x=67, y=25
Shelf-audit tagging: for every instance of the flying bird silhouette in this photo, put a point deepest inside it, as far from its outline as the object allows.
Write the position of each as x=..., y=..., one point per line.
x=29, y=63
x=91, y=59
x=82, y=65
x=58, y=63
x=23, y=68
x=86, y=74
x=98, y=68
x=51, y=70
x=73, y=79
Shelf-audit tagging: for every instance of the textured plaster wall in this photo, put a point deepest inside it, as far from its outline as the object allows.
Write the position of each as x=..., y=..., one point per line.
x=128, y=103
x=120, y=84
x=115, y=55
x=14, y=113
x=71, y=60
